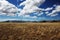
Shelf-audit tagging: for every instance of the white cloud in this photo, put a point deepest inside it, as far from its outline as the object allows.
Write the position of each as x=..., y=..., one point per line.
x=31, y=6
x=8, y=19
x=48, y=9
x=34, y=17
x=7, y=8
x=46, y=12
x=55, y=11
x=28, y=16
x=41, y=13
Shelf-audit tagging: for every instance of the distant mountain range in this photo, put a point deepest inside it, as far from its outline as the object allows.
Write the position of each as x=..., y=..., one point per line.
x=20, y=21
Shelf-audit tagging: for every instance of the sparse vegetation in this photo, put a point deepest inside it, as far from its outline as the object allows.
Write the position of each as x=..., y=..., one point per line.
x=30, y=31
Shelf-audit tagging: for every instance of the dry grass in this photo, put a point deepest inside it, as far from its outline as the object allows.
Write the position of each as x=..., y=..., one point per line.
x=29, y=31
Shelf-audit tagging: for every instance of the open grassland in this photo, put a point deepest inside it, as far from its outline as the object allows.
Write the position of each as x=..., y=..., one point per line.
x=30, y=31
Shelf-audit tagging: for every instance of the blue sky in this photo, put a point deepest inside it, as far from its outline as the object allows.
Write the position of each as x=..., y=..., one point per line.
x=33, y=16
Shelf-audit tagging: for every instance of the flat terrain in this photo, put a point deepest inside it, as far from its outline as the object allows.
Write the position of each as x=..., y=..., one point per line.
x=30, y=31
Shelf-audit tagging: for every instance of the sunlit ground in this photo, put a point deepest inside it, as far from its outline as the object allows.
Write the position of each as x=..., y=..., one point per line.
x=30, y=31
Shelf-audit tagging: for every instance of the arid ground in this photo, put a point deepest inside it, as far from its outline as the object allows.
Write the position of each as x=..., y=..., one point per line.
x=30, y=31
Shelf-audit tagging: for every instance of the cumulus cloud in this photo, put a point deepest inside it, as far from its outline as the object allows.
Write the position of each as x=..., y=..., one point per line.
x=31, y=6
x=48, y=9
x=55, y=11
x=7, y=8
x=28, y=16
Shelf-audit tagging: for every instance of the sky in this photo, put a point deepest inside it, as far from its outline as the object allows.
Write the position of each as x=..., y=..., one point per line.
x=29, y=10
